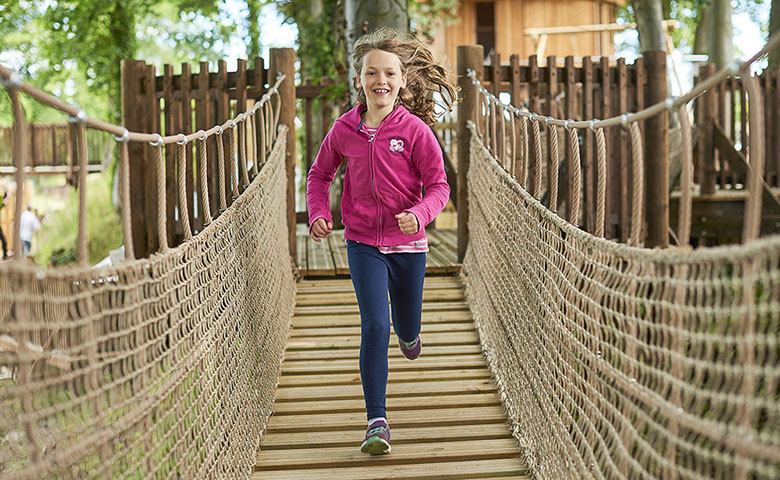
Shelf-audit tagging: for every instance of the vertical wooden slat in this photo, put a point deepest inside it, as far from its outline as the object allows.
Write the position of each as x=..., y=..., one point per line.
x=498, y=131
x=706, y=112
x=171, y=109
x=307, y=125
x=149, y=125
x=241, y=96
x=260, y=91
x=202, y=108
x=624, y=194
x=517, y=101
x=551, y=91
x=606, y=112
x=186, y=127
x=743, y=129
x=570, y=112
x=533, y=106
x=588, y=144
x=223, y=113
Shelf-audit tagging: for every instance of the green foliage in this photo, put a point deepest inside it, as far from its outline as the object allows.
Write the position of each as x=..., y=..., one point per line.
x=321, y=48
x=422, y=13
x=689, y=14
x=58, y=236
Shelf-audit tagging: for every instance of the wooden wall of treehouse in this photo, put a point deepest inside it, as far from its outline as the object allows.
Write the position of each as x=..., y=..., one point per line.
x=512, y=17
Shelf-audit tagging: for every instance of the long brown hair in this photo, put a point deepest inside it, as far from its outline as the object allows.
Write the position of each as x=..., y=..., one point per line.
x=423, y=75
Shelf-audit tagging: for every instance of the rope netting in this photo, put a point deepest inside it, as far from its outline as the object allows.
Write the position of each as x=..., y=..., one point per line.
x=154, y=368
x=615, y=361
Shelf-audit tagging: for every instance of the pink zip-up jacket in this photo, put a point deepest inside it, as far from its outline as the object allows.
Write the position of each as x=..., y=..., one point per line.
x=384, y=177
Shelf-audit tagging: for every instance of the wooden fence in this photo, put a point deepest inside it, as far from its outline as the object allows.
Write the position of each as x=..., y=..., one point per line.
x=593, y=88
x=171, y=104
x=50, y=146
x=721, y=119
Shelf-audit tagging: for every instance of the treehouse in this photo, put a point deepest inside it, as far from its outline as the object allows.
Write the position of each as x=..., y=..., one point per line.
x=527, y=27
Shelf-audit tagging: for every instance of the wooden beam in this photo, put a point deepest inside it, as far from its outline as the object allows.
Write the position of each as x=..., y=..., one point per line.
x=740, y=166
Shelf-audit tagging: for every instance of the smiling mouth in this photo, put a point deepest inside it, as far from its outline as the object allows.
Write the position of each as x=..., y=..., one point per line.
x=381, y=91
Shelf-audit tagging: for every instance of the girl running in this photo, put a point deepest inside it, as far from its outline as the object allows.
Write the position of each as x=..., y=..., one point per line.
x=392, y=154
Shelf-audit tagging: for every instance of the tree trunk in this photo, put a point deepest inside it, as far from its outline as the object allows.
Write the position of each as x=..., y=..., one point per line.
x=721, y=49
x=701, y=40
x=364, y=16
x=649, y=18
x=774, y=29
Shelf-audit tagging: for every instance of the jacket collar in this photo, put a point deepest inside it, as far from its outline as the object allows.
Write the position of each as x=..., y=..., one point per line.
x=355, y=122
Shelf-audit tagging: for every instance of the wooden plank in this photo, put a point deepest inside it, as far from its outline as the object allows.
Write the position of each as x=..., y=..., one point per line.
x=223, y=113
x=186, y=127
x=338, y=250
x=610, y=230
x=400, y=436
x=396, y=365
x=330, y=331
x=337, y=421
x=345, y=284
x=447, y=471
x=349, y=319
x=170, y=118
x=335, y=379
x=329, y=343
x=320, y=261
x=302, y=255
x=427, y=403
x=624, y=163
x=403, y=454
x=589, y=200
x=348, y=297
x=349, y=354
x=337, y=309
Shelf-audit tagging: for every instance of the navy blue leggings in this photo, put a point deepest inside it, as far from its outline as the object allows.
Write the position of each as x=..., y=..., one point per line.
x=373, y=275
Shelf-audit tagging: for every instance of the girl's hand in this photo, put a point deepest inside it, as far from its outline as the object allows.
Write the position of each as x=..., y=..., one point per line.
x=408, y=223
x=320, y=229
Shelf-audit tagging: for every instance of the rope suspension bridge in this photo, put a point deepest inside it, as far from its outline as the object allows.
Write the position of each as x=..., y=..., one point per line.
x=607, y=360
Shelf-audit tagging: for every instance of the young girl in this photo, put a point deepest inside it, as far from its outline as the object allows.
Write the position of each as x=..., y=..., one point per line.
x=391, y=155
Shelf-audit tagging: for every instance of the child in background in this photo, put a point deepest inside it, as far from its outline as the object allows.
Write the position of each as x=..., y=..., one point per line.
x=391, y=155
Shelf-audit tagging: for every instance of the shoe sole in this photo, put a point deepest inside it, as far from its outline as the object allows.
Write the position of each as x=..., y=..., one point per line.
x=375, y=446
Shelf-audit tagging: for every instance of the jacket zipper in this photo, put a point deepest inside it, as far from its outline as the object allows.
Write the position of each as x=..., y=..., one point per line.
x=373, y=183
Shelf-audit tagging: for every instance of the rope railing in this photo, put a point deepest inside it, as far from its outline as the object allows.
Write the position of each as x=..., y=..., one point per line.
x=491, y=103
x=162, y=367
x=612, y=360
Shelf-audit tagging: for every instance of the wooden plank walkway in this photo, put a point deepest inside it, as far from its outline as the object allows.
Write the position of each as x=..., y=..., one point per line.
x=329, y=258
x=446, y=419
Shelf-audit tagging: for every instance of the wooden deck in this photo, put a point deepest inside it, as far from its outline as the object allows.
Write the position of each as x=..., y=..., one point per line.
x=446, y=419
x=329, y=258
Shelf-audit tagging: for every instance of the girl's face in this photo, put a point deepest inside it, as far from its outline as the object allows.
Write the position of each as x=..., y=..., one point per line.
x=381, y=79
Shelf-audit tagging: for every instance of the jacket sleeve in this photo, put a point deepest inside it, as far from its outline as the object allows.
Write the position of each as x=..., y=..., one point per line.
x=320, y=177
x=427, y=156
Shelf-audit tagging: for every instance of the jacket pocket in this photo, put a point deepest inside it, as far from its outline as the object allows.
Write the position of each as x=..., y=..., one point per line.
x=360, y=215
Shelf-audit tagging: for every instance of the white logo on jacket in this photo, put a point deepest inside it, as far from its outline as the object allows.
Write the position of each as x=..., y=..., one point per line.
x=396, y=145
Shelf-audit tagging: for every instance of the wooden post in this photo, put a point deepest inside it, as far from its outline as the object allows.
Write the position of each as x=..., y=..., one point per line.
x=469, y=58
x=588, y=144
x=706, y=161
x=656, y=154
x=170, y=155
x=282, y=60
x=131, y=119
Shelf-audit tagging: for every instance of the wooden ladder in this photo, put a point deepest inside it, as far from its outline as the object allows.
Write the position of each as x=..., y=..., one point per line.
x=446, y=419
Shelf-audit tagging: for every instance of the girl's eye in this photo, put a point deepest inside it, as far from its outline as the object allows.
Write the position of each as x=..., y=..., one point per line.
x=390, y=74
